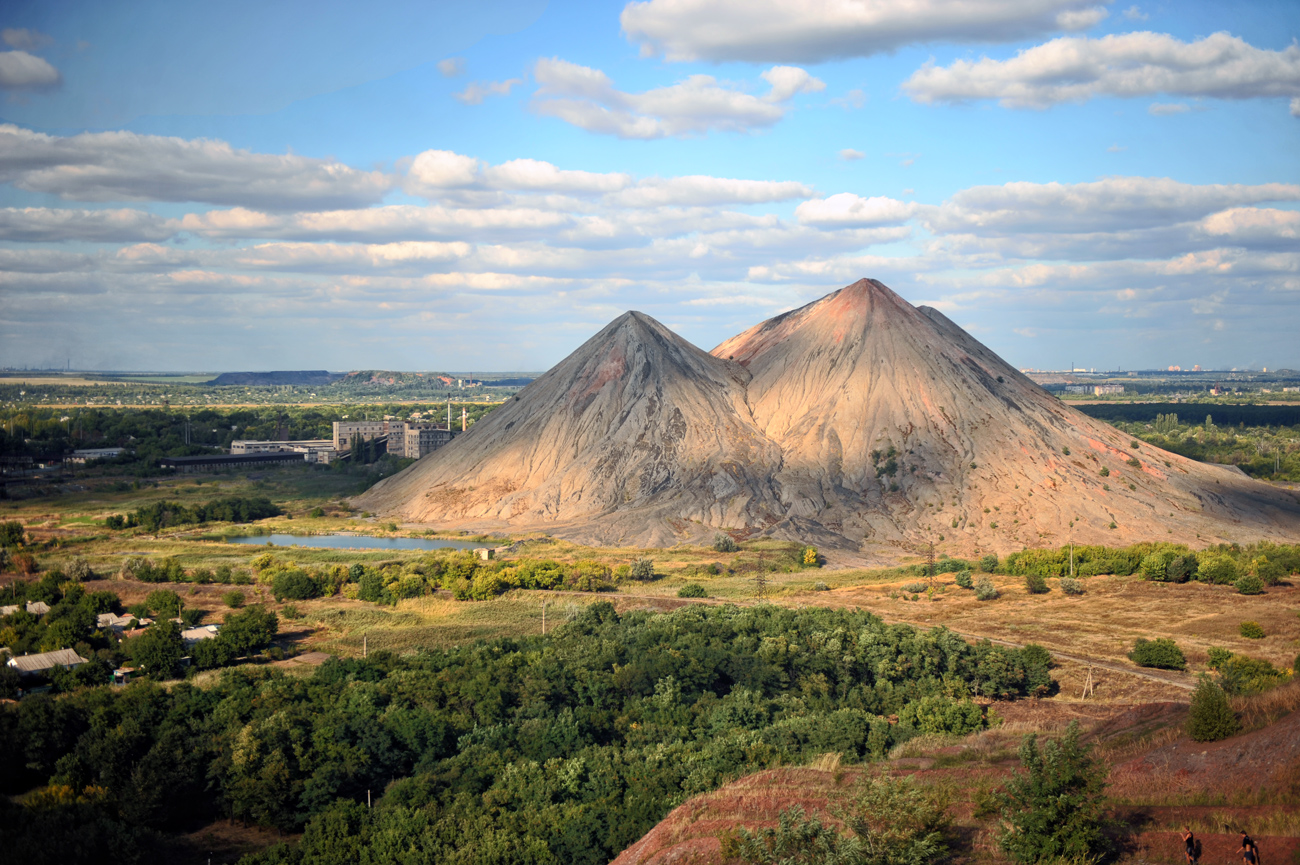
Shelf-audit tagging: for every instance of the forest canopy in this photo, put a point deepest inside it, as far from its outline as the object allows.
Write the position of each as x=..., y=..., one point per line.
x=564, y=748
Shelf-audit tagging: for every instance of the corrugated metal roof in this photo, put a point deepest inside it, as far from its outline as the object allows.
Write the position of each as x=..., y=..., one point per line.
x=46, y=660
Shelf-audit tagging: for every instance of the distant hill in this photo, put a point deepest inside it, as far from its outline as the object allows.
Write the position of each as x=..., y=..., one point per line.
x=283, y=377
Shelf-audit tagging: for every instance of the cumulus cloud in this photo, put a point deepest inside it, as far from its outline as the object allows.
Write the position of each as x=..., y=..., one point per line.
x=477, y=91
x=699, y=190
x=811, y=31
x=1133, y=13
x=588, y=99
x=451, y=67
x=124, y=166
x=1076, y=69
x=848, y=154
x=846, y=209
x=44, y=225
x=22, y=71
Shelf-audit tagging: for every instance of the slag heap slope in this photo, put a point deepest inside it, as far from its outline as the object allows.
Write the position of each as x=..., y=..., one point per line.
x=895, y=423
x=633, y=430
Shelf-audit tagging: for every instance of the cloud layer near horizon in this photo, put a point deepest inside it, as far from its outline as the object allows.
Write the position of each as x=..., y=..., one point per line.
x=543, y=238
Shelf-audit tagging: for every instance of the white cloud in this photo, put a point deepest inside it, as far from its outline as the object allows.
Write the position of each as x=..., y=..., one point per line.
x=1167, y=109
x=810, y=31
x=701, y=190
x=852, y=100
x=442, y=169
x=43, y=224
x=848, y=154
x=587, y=98
x=22, y=71
x=451, y=67
x=24, y=39
x=1133, y=13
x=1076, y=69
x=1111, y=204
x=477, y=91
x=1255, y=227
x=124, y=166
x=533, y=174
x=846, y=209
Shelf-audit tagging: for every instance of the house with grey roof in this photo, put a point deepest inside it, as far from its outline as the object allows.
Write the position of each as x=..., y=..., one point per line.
x=37, y=665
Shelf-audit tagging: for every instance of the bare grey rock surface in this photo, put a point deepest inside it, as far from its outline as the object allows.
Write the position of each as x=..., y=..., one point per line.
x=856, y=419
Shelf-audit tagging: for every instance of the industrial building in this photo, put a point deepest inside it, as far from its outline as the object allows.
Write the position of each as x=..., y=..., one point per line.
x=313, y=450
x=420, y=439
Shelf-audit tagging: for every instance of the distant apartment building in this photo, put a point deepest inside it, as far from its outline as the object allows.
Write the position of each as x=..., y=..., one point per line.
x=367, y=429
x=1105, y=389
x=420, y=439
x=85, y=455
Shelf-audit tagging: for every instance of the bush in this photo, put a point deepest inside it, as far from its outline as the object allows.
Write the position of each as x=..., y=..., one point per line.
x=1217, y=657
x=293, y=585
x=289, y=611
x=1071, y=586
x=1217, y=570
x=1053, y=809
x=989, y=563
x=724, y=544
x=692, y=590
x=1251, y=630
x=1249, y=585
x=79, y=570
x=1155, y=567
x=821, y=587
x=1210, y=718
x=913, y=588
x=810, y=556
x=164, y=604
x=963, y=579
x=1182, y=568
x=1162, y=654
x=1036, y=585
x=1269, y=572
x=233, y=599
x=317, y=512
x=985, y=590
x=642, y=569
x=1239, y=674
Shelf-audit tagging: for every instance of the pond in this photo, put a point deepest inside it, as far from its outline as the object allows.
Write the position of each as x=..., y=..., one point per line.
x=357, y=542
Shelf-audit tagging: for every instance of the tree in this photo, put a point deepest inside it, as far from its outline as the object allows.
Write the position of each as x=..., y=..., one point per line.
x=988, y=563
x=642, y=569
x=294, y=585
x=1162, y=654
x=1053, y=808
x=249, y=630
x=158, y=651
x=724, y=544
x=1210, y=718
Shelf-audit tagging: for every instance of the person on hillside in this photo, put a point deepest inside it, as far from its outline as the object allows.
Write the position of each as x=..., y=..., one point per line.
x=1189, y=842
x=1249, y=852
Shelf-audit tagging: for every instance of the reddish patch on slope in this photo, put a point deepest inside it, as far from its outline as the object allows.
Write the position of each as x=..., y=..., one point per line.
x=612, y=367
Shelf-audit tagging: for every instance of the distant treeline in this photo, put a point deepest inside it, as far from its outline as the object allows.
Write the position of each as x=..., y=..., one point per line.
x=160, y=515
x=1224, y=415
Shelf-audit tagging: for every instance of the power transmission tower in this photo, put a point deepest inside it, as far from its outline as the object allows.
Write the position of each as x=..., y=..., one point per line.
x=929, y=563
x=760, y=576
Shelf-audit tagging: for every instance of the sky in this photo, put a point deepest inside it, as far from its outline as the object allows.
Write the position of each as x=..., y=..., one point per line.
x=483, y=186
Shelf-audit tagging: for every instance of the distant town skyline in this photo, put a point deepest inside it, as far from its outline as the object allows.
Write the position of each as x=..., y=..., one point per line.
x=416, y=186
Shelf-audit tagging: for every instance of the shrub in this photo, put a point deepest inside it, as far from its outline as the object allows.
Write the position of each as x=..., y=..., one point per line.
x=1218, y=570
x=293, y=585
x=810, y=556
x=1053, y=809
x=1251, y=630
x=985, y=590
x=1210, y=718
x=1269, y=572
x=115, y=521
x=1036, y=585
x=317, y=511
x=164, y=604
x=1105, y=472
x=989, y=563
x=1071, y=586
x=1155, y=567
x=692, y=590
x=1162, y=654
x=25, y=564
x=963, y=579
x=821, y=587
x=642, y=569
x=1249, y=585
x=1217, y=657
x=724, y=544
x=79, y=570
x=1240, y=674
x=1182, y=568
x=914, y=588
x=289, y=611
x=233, y=599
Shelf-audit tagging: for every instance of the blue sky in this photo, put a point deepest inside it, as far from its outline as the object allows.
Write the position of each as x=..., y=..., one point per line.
x=482, y=186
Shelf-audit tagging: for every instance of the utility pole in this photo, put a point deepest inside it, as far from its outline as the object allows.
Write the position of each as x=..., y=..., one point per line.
x=363, y=646
x=543, y=617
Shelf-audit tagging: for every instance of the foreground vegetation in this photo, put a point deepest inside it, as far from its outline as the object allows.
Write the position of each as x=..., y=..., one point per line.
x=558, y=749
